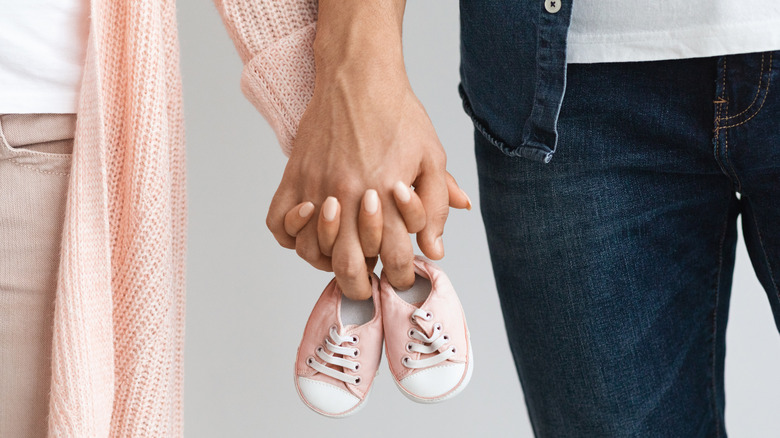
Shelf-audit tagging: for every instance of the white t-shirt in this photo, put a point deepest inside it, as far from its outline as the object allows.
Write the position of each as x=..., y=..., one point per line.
x=620, y=30
x=42, y=49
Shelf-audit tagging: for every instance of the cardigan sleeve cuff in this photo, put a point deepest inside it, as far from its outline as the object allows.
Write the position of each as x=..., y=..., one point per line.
x=279, y=81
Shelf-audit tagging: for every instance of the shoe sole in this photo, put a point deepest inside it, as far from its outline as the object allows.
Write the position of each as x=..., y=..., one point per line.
x=453, y=392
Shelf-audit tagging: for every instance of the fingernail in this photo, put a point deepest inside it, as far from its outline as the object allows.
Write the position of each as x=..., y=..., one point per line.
x=306, y=209
x=468, y=207
x=439, y=245
x=329, y=208
x=402, y=192
x=371, y=203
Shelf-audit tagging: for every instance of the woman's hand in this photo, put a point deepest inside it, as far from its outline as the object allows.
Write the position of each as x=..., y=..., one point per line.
x=369, y=218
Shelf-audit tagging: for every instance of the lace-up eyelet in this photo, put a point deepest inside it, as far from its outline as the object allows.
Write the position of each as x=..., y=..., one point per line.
x=356, y=353
x=405, y=360
x=409, y=347
x=453, y=350
x=357, y=366
x=309, y=360
x=357, y=381
x=411, y=318
x=411, y=333
x=437, y=326
x=428, y=316
x=320, y=349
x=446, y=337
x=355, y=339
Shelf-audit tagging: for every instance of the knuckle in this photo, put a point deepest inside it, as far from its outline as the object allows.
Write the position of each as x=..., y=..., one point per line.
x=438, y=159
x=438, y=215
x=397, y=261
x=274, y=222
x=322, y=264
x=349, y=268
x=369, y=228
x=283, y=239
x=348, y=187
x=286, y=243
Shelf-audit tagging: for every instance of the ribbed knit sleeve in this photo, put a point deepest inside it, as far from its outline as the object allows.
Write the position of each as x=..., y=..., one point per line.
x=274, y=39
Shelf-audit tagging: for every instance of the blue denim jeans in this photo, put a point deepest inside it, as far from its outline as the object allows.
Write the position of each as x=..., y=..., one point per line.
x=614, y=261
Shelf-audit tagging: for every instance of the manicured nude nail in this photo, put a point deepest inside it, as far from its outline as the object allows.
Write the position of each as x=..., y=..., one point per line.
x=468, y=207
x=439, y=245
x=329, y=208
x=371, y=203
x=306, y=209
x=402, y=192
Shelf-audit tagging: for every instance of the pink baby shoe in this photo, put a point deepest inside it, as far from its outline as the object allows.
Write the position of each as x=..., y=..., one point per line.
x=426, y=338
x=340, y=352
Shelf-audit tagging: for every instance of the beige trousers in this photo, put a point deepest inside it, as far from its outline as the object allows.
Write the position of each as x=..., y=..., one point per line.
x=35, y=158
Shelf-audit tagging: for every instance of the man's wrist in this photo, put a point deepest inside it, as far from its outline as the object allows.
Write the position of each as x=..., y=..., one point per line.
x=359, y=36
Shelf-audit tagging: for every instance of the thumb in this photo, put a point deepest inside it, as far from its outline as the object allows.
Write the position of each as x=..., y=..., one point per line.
x=458, y=198
x=432, y=188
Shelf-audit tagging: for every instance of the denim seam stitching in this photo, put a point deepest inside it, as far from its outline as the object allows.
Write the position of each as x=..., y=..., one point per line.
x=766, y=257
x=13, y=161
x=728, y=161
x=763, y=101
x=715, y=323
x=727, y=167
x=755, y=97
x=721, y=102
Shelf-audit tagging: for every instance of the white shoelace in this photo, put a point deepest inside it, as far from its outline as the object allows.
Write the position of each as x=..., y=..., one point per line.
x=336, y=347
x=430, y=344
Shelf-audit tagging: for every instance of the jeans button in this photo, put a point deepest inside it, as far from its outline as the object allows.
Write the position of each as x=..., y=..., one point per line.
x=552, y=6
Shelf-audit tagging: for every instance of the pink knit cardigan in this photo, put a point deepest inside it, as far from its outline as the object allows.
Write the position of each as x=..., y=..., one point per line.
x=117, y=350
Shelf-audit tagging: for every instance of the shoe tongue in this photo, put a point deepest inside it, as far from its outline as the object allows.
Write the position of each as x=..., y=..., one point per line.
x=426, y=326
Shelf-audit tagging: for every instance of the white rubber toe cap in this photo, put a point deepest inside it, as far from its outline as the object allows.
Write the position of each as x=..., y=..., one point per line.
x=434, y=382
x=326, y=398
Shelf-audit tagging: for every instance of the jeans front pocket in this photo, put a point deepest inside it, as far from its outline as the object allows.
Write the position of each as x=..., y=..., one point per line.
x=40, y=142
x=534, y=153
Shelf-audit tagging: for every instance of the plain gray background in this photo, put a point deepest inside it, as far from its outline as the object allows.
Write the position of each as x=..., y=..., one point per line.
x=248, y=298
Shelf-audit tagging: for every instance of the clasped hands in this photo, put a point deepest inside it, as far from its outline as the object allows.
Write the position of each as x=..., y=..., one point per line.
x=358, y=151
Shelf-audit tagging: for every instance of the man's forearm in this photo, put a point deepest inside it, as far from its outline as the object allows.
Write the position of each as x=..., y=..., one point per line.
x=359, y=36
